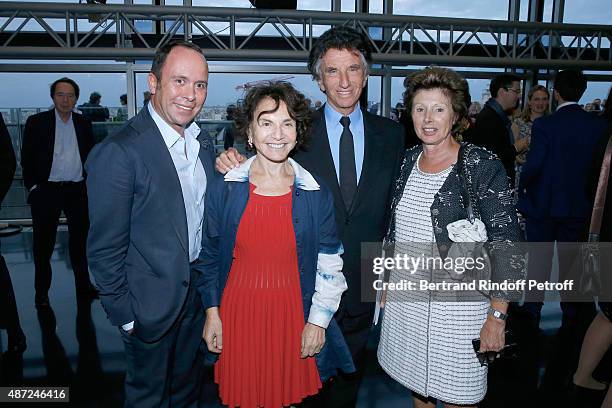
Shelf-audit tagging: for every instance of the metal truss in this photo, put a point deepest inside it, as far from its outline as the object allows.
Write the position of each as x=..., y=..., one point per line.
x=132, y=32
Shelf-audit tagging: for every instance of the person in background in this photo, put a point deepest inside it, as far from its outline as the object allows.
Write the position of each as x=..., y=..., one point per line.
x=9, y=318
x=55, y=145
x=493, y=128
x=596, y=105
x=97, y=113
x=122, y=113
x=473, y=111
x=425, y=344
x=588, y=391
x=271, y=264
x=537, y=106
x=229, y=132
x=553, y=198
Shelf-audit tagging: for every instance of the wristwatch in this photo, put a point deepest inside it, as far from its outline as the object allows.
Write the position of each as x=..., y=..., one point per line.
x=497, y=314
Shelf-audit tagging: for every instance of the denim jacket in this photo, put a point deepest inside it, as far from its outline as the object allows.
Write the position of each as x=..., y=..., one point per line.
x=319, y=253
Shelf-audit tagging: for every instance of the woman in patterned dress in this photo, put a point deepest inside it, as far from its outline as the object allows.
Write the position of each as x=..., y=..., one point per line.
x=272, y=270
x=537, y=106
x=426, y=337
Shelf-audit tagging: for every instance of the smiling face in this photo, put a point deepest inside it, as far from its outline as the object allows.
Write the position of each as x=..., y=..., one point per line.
x=273, y=134
x=343, y=77
x=178, y=96
x=433, y=116
x=538, y=102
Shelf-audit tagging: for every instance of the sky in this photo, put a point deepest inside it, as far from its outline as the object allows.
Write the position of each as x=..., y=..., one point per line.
x=222, y=89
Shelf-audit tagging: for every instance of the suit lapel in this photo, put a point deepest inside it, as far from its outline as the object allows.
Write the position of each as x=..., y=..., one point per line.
x=325, y=167
x=80, y=134
x=207, y=155
x=372, y=156
x=51, y=134
x=159, y=162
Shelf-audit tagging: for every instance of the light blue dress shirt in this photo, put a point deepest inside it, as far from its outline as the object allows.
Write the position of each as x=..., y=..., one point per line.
x=334, y=131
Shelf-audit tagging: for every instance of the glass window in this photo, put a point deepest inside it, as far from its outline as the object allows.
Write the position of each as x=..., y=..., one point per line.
x=587, y=11
x=486, y=9
x=348, y=6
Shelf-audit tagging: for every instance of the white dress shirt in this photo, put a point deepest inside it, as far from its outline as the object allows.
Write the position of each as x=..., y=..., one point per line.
x=66, y=165
x=184, y=152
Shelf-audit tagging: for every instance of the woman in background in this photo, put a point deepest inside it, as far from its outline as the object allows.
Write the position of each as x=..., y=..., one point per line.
x=537, y=106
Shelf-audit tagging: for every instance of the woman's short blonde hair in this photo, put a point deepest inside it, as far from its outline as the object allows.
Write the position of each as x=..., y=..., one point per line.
x=449, y=82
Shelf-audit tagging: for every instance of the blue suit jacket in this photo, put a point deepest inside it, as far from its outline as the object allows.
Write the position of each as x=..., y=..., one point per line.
x=138, y=244
x=553, y=180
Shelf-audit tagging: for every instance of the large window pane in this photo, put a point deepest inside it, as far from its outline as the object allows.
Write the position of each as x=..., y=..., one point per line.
x=588, y=11
x=486, y=9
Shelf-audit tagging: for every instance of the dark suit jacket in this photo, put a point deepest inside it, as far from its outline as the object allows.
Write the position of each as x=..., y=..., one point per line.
x=7, y=160
x=367, y=219
x=491, y=133
x=554, y=178
x=138, y=247
x=39, y=141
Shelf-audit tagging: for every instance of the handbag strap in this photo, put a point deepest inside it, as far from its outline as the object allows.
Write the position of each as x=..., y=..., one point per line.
x=600, y=195
x=467, y=195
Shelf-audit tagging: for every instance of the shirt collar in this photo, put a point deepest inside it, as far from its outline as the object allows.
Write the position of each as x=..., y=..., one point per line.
x=170, y=135
x=566, y=104
x=303, y=179
x=332, y=116
x=58, y=118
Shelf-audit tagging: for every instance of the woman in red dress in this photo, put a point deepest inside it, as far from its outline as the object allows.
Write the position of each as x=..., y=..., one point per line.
x=272, y=275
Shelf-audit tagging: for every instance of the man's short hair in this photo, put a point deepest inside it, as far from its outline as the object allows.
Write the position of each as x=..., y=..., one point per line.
x=502, y=81
x=340, y=38
x=162, y=53
x=95, y=97
x=571, y=84
x=67, y=81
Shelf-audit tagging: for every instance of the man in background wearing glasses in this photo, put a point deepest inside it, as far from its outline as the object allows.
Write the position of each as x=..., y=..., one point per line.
x=493, y=128
x=55, y=146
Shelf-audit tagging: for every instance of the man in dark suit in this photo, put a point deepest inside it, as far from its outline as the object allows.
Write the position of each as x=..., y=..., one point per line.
x=358, y=155
x=493, y=128
x=55, y=146
x=147, y=185
x=553, y=186
x=9, y=317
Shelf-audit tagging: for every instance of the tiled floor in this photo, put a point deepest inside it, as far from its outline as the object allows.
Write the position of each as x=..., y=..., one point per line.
x=75, y=345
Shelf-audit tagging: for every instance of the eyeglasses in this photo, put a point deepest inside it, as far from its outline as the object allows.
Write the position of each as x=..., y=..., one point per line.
x=516, y=91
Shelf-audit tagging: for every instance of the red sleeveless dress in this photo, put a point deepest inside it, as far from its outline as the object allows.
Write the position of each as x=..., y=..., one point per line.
x=262, y=314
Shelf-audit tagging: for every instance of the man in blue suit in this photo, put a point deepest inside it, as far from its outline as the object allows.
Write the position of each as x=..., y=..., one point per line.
x=553, y=186
x=146, y=205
